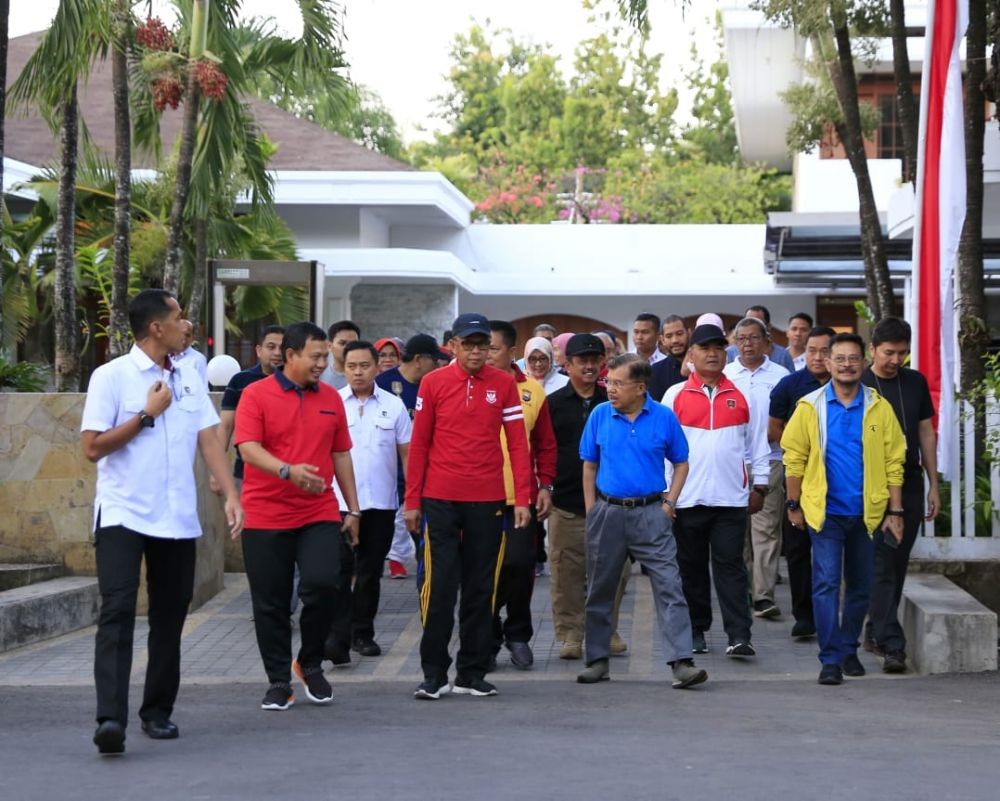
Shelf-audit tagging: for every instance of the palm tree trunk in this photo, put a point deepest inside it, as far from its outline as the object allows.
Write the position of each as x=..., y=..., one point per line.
x=4, y=19
x=905, y=102
x=973, y=334
x=197, y=299
x=845, y=84
x=67, y=353
x=118, y=334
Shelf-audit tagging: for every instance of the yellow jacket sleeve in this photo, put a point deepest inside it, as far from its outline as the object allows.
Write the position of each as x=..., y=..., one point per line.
x=895, y=448
x=795, y=441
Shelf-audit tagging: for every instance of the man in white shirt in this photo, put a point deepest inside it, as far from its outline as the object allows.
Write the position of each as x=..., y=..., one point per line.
x=339, y=335
x=755, y=375
x=191, y=357
x=143, y=419
x=646, y=335
x=380, y=427
x=799, y=326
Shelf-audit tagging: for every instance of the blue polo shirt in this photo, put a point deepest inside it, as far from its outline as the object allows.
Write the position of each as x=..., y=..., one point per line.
x=844, y=462
x=630, y=453
x=788, y=390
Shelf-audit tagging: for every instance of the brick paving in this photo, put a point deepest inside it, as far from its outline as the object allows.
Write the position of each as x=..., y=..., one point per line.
x=219, y=646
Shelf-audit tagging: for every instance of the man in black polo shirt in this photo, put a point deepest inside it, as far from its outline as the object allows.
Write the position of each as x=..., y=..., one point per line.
x=908, y=394
x=674, y=338
x=268, y=360
x=569, y=408
x=798, y=548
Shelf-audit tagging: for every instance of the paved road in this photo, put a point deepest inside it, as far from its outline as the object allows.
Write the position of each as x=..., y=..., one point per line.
x=757, y=730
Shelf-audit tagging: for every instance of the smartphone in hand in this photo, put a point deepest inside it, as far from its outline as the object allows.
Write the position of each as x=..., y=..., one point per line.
x=888, y=539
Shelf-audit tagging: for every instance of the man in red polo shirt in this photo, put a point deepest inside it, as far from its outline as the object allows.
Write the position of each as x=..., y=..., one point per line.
x=454, y=483
x=292, y=433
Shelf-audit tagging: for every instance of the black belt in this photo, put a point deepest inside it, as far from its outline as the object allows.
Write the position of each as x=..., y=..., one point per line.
x=631, y=503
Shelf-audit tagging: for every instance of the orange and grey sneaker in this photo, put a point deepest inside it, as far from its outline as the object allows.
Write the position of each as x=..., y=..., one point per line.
x=318, y=689
x=278, y=697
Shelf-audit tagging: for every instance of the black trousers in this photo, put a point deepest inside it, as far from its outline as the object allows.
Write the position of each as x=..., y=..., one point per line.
x=798, y=553
x=714, y=534
x=890, y=571
x=463, y=547
x=517, y=582
x=355, y=609
x=169, y=584
x=270, y=557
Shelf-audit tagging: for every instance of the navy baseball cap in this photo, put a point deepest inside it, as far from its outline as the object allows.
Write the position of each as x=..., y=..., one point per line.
x=466, y=325
x=584, y=345
x=704, y=334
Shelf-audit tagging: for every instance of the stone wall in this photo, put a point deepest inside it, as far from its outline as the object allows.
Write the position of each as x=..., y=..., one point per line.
x=47, y=492
x=382, y=310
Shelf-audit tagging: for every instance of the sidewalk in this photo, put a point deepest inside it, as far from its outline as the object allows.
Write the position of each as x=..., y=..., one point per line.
x=219, y=646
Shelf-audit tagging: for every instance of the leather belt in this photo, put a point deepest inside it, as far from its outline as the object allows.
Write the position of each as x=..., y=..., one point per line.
x=631, y=503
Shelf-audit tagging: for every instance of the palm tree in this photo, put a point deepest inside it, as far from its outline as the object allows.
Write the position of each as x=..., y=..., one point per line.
x=118, y=333
x=4, y=19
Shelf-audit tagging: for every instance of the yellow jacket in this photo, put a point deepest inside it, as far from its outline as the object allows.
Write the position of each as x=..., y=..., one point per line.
x=883, y=452
x=532, y=400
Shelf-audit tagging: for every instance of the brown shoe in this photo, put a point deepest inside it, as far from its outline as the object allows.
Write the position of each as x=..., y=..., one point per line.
x=618, y=645
x=571, y=650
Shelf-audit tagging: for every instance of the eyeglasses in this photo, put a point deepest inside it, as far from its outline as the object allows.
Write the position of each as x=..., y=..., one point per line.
x=750, y=339
x=538, y=359
x=468, y=347
x=615, y=384
x=847, y=359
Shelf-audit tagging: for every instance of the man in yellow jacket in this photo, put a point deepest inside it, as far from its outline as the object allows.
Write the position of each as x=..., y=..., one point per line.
x=843, y=455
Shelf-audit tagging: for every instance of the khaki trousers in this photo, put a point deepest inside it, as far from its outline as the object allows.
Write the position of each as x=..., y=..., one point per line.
x=765, y=536
x=568, y=566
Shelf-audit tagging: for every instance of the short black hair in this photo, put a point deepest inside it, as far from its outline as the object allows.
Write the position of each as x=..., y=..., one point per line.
x=639, y=368
x=448, y=334
x=147, y=306
x=672, y=318
x=821, y=331
x=847, y=337
x=649, y=317
x=507, y=332
x=298, y=334
x=802, y=316
x=342, y=325
x=268, y=330
x=360, y=344
x=891, y=329
x=763, y=310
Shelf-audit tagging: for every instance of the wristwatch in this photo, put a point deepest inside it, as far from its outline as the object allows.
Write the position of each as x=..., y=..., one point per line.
x=894, y=513
x=549, y=487
x=792, y=505
x=284, y=472
x=146, y=420
x=353, y=514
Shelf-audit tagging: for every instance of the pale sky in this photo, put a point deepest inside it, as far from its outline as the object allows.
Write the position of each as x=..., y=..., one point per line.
x=399, y=48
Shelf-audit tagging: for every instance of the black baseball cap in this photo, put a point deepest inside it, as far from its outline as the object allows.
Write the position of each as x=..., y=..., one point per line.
x=584, y=345
x=704, y=334
x=466, y=325
x=421, y=345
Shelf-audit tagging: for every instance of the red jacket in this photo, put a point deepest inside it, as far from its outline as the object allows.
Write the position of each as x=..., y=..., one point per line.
x=455, y=452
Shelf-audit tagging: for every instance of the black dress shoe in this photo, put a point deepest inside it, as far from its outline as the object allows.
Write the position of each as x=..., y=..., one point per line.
x=337, y=652
x=160, y=729
x=803, y=629
x=367, y=647
x=831, y=675
x=852, y=666
x=110, y=737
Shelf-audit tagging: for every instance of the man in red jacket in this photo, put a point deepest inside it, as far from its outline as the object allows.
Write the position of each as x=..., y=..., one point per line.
x=454, y=484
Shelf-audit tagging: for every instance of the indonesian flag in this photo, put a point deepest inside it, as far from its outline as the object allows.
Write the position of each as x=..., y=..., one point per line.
x=940, y=208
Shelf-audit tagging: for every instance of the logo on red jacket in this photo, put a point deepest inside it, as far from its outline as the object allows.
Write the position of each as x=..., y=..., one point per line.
x=491, y=396
x=731, y=403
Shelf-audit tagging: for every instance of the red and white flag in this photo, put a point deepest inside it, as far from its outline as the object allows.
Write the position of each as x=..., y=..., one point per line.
x=940, y=211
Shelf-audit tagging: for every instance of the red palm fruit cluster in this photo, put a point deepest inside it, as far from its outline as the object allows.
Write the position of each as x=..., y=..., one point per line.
x=210, y=78
x=154, y=35
x=167, y=91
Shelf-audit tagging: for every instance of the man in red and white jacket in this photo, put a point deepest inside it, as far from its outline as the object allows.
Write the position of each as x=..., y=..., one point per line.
x=725, y=432
x=455, y=487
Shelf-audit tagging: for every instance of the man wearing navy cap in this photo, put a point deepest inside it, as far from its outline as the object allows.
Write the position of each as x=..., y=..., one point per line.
x=455, y=489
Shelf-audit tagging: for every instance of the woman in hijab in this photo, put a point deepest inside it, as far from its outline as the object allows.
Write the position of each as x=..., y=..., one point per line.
x=540, y=361
x=559, y=349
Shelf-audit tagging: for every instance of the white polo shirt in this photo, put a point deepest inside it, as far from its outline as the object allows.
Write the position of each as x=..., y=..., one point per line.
x=377, y=427
x=757, y=386
x=193, y=358
x=148, y=485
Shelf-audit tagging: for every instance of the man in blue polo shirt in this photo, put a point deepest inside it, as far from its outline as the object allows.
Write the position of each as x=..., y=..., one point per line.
x=623, y=447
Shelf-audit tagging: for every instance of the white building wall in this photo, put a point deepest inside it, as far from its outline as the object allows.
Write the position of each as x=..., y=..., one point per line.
x=828, y=185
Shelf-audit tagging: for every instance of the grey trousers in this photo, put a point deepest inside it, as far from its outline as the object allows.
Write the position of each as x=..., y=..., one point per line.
x=646, y=532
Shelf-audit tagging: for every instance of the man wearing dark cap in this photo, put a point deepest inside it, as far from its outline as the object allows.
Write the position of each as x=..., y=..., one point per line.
x=569, y=407
x=725, y=432
x=629, y=510
x=420, y=356
x=455, y=490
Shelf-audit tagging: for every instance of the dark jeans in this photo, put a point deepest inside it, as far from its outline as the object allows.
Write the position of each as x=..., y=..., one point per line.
x=517, y=582
x=842, y=553
x=169, y=584
x=270, y=557
x=355, y=609
x=715, y=534
x=890, y=571
x=798, y=553
x=462, y=547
